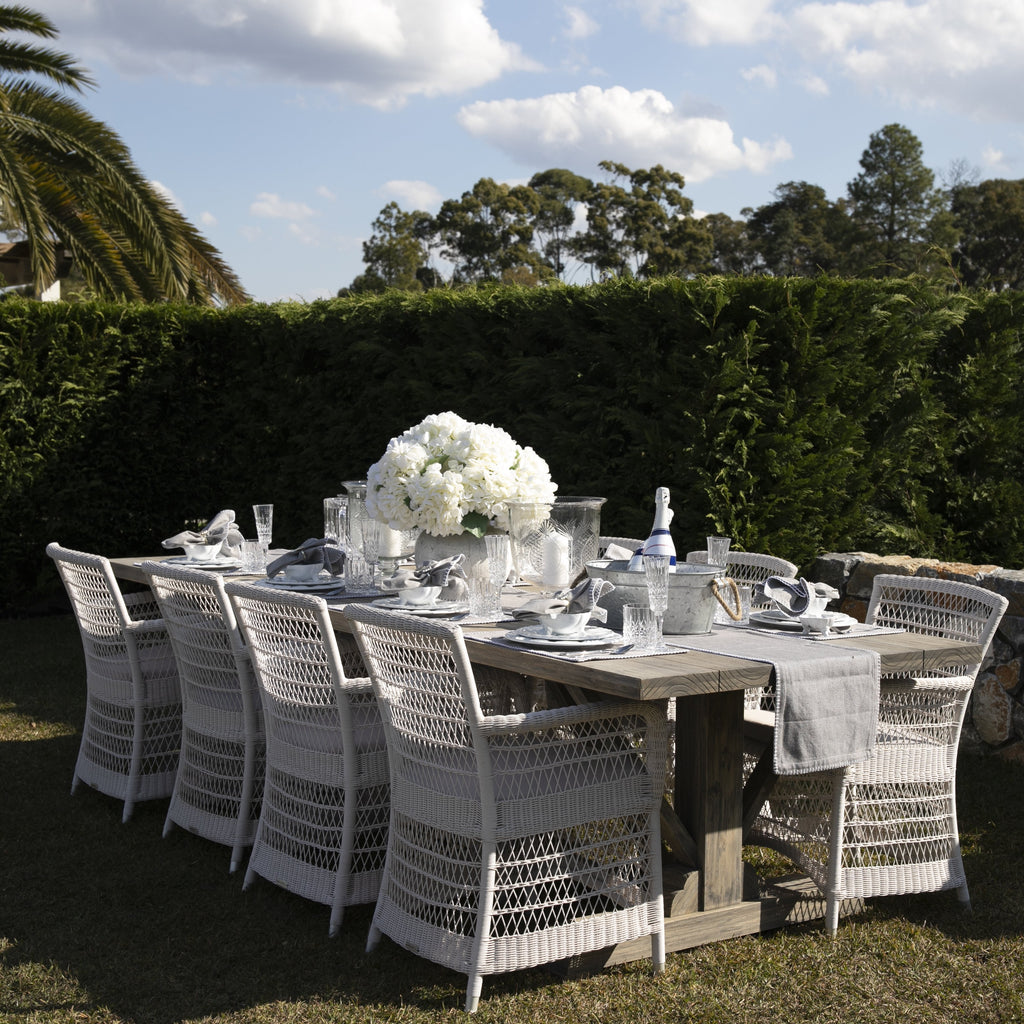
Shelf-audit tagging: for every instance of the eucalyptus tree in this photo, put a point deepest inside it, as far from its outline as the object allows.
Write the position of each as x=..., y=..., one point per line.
x=67, y=181
x=487, y=233
x=901, y=218
x=990, y=218
x=639, y=223
x=732, y=252
x=800, y=233
x=562, y=196
x=397, y=250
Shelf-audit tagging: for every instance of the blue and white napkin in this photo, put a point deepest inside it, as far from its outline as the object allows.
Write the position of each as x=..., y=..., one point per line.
x=323, y=551
x=792, y=596
x=221, y=529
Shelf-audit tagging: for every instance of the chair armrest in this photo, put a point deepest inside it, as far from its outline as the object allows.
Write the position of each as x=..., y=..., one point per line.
x=652, y=712
x=358, y=684
x=142, y=627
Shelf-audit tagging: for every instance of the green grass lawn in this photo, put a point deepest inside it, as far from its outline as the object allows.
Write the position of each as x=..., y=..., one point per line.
x=103, y=922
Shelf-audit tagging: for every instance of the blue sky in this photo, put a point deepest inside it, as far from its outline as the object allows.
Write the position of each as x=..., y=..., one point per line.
x=282, y=127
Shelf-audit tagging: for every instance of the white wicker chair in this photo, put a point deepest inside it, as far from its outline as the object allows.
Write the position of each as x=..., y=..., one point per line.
x=515, y=840
x=749, y=566
x=322, y=832
x=132, y=730
x=752, y=567
x=887, y=825
x=219, y=785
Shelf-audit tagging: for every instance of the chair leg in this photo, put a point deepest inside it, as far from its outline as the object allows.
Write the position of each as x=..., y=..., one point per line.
x=250, y=876
x=964, y=896
x=473, y=990
x=835, y=856
x=373, y=938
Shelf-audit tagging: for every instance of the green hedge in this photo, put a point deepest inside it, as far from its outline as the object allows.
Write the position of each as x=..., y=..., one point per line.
x=796, y=415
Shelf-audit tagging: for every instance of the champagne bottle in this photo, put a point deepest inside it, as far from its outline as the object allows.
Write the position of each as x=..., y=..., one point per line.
x=660, y=540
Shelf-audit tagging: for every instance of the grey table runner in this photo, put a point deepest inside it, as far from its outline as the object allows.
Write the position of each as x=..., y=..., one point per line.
x=826, y=697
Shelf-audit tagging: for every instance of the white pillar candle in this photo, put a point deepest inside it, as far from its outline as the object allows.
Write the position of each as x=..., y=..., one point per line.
x=556, y=560
x=390, y=542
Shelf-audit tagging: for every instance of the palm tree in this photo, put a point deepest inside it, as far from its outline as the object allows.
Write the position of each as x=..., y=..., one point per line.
x=67, y=181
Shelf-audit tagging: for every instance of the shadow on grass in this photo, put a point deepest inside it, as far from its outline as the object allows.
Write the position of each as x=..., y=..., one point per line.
x=156, y=929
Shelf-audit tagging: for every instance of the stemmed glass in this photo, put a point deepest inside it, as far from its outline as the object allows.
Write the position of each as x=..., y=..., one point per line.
x=372, y=537
x=656, y=570
x=396, y=546
x=264, y=515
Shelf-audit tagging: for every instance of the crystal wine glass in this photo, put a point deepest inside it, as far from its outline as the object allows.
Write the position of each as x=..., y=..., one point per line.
x=264, y=515
x=656, y=570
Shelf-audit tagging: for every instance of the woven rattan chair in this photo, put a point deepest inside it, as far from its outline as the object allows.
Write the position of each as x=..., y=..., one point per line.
x=132, y=730
x=749, y=566
x=515, y=840
x=322, y=831
x=887, y=825
x=219, y=784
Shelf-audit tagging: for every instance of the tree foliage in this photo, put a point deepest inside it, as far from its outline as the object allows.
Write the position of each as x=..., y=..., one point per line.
x=67, y=181
x=639, y=223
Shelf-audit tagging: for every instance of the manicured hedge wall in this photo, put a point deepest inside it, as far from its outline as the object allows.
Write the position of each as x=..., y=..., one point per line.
x=798, y=416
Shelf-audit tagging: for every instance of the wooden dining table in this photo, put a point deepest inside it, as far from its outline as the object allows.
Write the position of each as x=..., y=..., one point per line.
x=709, y=894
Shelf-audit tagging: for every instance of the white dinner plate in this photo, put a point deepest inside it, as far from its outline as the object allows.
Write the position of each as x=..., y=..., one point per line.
x=220, y=562
x=439, y=609
x=537, y=636
x=772, y=618
x=284, y=583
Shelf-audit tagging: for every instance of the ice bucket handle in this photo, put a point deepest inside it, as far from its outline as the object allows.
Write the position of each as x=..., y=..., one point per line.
x=735, y=614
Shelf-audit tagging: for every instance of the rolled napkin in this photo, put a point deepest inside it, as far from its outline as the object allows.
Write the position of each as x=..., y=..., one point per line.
x=581, y=598
x=794, y=597
x=221, y=529
x=322, y=551
x=618, y=553
x=446, y=573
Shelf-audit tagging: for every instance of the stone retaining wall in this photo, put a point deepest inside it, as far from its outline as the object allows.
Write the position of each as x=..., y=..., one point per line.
x=995, y=716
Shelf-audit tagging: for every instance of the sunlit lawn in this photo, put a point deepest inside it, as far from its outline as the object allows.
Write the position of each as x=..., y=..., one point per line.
x=101, y=922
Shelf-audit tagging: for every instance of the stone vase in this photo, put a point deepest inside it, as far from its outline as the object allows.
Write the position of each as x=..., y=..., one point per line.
x=430, y=548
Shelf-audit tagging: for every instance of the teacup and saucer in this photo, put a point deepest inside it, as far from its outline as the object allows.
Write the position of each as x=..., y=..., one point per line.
x=417, y=597
x=564, y=624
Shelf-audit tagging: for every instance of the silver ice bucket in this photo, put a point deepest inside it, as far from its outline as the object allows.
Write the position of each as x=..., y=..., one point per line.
x=694, y=591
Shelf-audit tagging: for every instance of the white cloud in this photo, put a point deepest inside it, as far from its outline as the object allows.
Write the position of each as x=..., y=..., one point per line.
x=207, y=219
x=994, y=160
x=814, y=84
x=761, y=73
x=412, y=195
x=706, y=22
x=251, y=232
x=160, y=187
x=930, y=52
x=269, y=204
x=325, y=193
x=638, y=129
x=375, y=51
x=579, y=24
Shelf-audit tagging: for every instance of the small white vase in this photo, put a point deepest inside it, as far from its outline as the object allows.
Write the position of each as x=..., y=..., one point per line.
x=430, y=548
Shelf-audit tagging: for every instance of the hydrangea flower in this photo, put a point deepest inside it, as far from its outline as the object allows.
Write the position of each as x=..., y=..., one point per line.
x=447, y=475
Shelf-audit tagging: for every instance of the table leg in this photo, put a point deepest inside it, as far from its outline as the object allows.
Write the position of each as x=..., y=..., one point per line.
x=709, y=791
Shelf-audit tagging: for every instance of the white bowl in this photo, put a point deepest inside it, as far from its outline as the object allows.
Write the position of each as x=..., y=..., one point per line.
x=418, y=596
x=565, y=623
x=303, y=573
x=819, y=622
x=202, y=552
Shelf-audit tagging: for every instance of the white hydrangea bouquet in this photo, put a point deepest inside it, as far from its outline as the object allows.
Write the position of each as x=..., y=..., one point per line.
x=449, y=476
